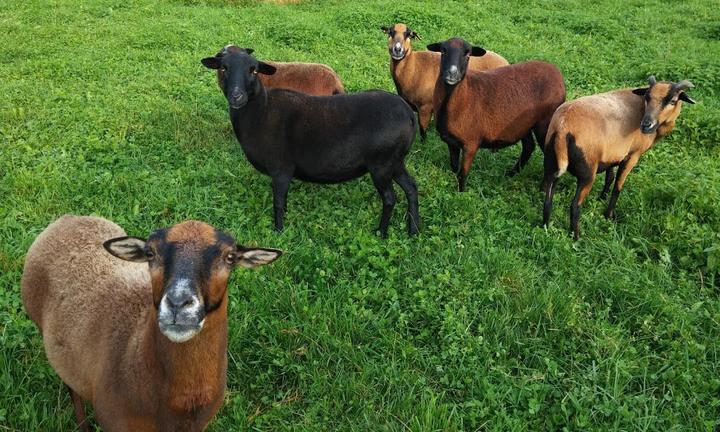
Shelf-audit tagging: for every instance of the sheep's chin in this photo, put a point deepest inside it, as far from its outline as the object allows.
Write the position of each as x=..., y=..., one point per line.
x=180, y=334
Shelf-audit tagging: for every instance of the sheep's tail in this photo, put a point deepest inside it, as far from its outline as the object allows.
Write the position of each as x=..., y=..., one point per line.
x=557, y=144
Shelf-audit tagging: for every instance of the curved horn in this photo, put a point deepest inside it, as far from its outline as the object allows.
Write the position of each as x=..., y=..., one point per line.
x=684, y=85
x=651, y=80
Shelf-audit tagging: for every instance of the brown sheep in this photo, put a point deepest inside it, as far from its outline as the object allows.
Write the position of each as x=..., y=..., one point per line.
x=415, y=72
x=596, y=133
x=311, y=78
x=492, y=109
x=141, y=335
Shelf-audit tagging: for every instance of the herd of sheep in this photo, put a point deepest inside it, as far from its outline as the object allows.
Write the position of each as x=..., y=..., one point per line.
x=138, y=327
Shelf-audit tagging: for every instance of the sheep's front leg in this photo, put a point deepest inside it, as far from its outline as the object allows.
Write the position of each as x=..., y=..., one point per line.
x=280, y=186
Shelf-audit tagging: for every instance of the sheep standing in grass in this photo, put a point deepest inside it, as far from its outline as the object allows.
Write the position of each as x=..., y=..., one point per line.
x=137, y=328
x=597, y=133
x=415, y=72
x=494, y=108
x=311, y=78
x=320, y=139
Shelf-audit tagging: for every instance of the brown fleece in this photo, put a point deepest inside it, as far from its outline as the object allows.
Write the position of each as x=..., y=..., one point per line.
x=100, y=332
x=498, y=107
x=416, y=73
x=597, y=133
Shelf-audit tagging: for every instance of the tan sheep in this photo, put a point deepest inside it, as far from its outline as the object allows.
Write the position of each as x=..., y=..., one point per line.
x=415, y=72
x=141, y=335
x=596, y=133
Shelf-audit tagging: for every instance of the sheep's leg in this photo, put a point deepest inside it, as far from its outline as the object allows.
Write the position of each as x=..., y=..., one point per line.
x=623, y=171
x=540, y=132
x=408, y=185
x=79, y=408
x=528, y=145
x=280, y=186
x=550, y=169
x=584, y=184
x=609, y=178
x=549, y=188
x=383, y=184
x=467, y=160
x=424, y=114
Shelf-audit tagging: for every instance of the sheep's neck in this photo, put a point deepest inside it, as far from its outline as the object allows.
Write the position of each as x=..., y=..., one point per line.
x=192, y=373
x=245, y=121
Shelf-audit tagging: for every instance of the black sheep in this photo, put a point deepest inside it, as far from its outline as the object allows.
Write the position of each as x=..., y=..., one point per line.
x=321, y=139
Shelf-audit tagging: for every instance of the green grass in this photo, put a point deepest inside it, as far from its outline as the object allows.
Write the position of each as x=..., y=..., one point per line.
x=483, y=322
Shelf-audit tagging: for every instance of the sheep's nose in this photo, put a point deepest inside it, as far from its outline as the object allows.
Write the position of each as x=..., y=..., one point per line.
x=179, y=299
x=647, y=124
x=237, y=97
x=452, y=75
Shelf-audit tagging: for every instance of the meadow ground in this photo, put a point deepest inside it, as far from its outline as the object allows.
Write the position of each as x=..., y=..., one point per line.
x=483, y=322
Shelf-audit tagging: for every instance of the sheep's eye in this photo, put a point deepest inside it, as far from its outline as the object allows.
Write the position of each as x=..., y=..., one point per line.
x=231, y=258
x=253, y=70
x=149, y=254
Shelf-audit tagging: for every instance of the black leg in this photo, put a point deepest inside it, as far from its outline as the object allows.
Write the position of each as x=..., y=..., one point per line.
x=454, y=150
x=423, y=133
x=280, y=186
x=549, y=189
x=609, y=178
x=388, y=198
x=383, y=183
x=408, y=185
x=528, y=145
x=583, y=187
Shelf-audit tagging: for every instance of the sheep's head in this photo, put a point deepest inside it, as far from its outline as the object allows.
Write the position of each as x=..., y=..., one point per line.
x=399, y=40
x=190, y=264
x=455, y=56
x=237, y=73
x=663, y=101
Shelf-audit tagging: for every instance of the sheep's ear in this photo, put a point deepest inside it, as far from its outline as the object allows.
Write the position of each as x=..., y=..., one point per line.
x=434, y=47
x=414, y=35
x=477, y=51
x=211, y=62
x=127, y=248
x=253, y=257
x=641, y=91
x=266, y=69
x=686, y=98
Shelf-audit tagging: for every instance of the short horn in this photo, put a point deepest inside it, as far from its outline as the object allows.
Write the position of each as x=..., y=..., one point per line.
x=651, y=80
x=684, y=85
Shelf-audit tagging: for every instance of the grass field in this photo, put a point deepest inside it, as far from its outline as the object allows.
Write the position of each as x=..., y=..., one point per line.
x=483, y=322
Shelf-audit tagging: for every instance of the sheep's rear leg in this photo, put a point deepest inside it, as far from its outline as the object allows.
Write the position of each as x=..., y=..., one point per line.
x=79, y=408
x=383, y=184
x=584, y=184
x=408, y=185
x=280, y=186
x=528, y=146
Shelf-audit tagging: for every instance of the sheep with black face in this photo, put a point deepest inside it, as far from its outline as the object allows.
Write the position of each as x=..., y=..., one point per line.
x=595, y=134
x=493, y=108
x=311, y=78
x=414, y=72
x=320, y=139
